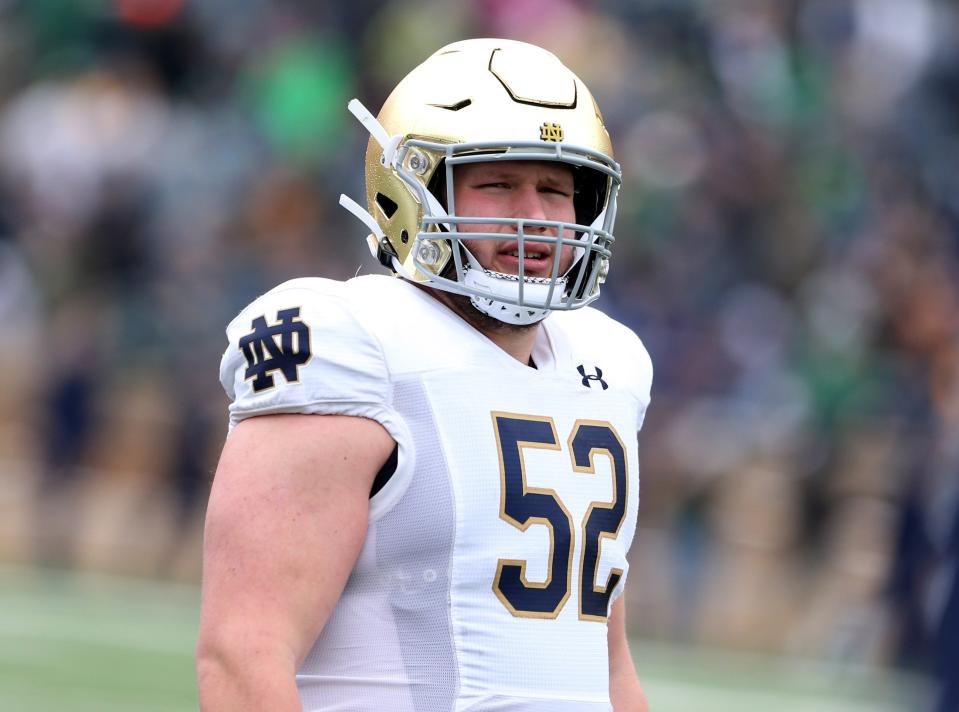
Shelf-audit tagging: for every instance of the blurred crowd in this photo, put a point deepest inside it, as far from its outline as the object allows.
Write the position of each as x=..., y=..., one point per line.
x=788, y=249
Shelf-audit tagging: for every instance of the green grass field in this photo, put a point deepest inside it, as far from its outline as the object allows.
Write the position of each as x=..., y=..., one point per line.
x=90, y=643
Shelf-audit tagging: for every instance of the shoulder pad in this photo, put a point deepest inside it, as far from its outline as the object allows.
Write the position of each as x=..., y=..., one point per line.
x=300, y=349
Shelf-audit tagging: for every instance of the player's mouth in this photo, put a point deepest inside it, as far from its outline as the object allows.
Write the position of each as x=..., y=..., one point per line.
x=537, y=259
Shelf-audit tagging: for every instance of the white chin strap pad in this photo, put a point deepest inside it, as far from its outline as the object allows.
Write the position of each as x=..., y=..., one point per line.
x=507, y=286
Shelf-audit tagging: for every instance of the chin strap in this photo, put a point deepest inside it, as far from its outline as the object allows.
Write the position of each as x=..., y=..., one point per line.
x=506, y=286
x=370, y=123
x=376, y=240
x=378, y=243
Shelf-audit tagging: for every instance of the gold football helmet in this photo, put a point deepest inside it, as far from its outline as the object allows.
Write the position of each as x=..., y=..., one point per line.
x=485, y=100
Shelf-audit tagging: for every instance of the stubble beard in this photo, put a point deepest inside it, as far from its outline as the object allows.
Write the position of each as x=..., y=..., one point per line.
x=463, y=306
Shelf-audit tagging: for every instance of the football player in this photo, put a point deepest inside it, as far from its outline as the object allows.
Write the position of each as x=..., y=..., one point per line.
x=431, y=482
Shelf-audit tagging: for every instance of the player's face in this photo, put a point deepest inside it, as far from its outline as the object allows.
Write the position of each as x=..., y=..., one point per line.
x=536, y=190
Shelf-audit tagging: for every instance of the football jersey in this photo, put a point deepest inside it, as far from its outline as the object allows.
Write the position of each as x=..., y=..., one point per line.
x=495, y=550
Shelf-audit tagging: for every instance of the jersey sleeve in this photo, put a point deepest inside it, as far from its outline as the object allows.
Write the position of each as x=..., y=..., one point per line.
x=631, y=363
x=300, y=349
x=642, y=366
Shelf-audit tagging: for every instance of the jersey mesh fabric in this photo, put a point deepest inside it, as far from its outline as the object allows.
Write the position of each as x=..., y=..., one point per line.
x=388, y=644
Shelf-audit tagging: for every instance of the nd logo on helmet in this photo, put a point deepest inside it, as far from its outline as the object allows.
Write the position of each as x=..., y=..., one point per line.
x=550, y=132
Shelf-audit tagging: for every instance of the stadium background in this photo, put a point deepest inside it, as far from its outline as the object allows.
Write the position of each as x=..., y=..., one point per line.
x=787, y=248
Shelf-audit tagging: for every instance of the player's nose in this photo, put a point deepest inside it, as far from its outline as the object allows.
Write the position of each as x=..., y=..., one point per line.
x=528, y=203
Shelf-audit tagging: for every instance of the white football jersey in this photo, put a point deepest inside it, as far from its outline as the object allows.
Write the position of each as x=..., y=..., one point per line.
x=495, y=550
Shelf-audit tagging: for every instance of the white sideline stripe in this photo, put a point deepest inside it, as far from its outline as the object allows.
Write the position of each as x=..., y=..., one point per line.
x=141, y=639
x=36, y=610
x=93, y=580
x=790, y=671
x=16, y=693
x=672, y=694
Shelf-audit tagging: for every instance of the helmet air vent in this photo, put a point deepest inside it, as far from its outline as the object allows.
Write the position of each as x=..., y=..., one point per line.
x=454, y=107
x=387, y=206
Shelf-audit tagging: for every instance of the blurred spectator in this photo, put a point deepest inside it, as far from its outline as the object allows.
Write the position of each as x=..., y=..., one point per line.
x=67, y=430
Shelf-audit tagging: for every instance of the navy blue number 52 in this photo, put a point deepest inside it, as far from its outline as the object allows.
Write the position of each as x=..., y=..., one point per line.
x=524, y=506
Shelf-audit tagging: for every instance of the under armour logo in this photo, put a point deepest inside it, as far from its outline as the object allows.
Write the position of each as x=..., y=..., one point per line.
x=587, y=377
x=550, y=132
x=283, y=347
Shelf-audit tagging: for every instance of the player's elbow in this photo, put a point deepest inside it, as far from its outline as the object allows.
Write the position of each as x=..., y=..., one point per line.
x=215, y=668
x=243, y=668
x=221, y=667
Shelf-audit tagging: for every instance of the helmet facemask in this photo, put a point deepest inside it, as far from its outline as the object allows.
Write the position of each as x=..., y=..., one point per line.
x=416, y=228
x=441, y=257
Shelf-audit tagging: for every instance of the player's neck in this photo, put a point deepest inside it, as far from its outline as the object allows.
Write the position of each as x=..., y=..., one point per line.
x=515, y=340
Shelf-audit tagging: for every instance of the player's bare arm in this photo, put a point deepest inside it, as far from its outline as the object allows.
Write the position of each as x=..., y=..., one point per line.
x=625, y=692
x=286, y=520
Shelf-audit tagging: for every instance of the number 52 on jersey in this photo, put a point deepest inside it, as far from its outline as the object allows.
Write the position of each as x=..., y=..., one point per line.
x=524, y=506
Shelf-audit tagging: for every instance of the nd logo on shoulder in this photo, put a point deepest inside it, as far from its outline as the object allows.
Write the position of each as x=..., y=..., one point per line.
x=283, y=346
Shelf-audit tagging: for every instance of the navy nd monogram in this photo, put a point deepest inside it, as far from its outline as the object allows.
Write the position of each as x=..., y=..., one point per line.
x=283, y=347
